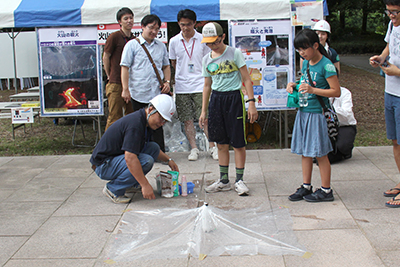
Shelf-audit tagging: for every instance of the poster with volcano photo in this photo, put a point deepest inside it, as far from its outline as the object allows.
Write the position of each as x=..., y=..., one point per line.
x=69, y=72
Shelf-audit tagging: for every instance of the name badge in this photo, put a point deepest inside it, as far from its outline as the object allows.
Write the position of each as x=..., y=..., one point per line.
x=191, y=67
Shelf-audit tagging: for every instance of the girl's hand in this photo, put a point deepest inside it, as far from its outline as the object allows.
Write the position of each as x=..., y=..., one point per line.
x=290, y=86
x=306, y=88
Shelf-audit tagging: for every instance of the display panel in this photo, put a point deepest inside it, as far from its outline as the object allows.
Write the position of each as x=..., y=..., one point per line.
x=69, y=69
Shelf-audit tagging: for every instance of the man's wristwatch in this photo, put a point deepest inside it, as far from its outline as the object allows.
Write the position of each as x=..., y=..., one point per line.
x=170, y=160
x=251, y=99
x=167, y=81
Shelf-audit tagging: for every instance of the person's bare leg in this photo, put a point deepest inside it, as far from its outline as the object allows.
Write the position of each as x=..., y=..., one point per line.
x=396, y=154
x=306, y=165
x=240, y=157
x=223, y=153
x=190, y=133
x=325, y=171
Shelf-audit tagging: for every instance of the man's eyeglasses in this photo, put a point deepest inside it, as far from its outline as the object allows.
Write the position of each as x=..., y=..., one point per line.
x=153, y=28
x=161, y=118
x=390, y=12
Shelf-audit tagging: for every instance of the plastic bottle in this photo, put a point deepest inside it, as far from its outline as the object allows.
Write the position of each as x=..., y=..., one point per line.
x=184, y=186
x=303, y=98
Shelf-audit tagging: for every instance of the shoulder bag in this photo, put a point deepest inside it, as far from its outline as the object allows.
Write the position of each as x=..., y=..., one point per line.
x=160, y=81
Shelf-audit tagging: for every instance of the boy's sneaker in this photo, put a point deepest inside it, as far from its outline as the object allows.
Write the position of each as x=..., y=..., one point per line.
x=194, y=154
x=300, y=193
x=241, y=188
x=319, y=196
x=114, y=198
x=214, y=152
x=218, y=186
x=134, y=189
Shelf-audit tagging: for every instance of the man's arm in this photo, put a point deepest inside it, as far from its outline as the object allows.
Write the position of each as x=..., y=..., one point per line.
x=134, y=166
x=126, y=95
x=167, y=76
x=107, y=64
x=173, y=63
x=171, y=163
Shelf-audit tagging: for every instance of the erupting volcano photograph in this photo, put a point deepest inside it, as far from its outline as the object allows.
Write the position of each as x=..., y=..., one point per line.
x=70, y=78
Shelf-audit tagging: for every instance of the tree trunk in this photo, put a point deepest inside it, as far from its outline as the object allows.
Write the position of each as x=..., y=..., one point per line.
x=364, y=17
x=342, y=19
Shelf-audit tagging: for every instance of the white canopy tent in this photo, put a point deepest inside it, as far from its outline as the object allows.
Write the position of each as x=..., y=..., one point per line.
x=19, y=14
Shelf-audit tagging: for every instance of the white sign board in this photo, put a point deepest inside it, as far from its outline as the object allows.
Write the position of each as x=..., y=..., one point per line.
x=267, y=47
x=21, y=115
x=105, y=30
x=69, y=72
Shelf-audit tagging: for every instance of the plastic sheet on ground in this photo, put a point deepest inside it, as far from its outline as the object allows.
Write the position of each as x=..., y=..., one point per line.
x=203, y=232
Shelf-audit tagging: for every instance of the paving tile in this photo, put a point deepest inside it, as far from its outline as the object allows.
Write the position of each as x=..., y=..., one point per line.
x=5, y=193
x=34, y=162
x=5, y=160
x=335, y=247
x=51, y=263
x=46, y=189
x=354, y=230
x=105, y=262
x=69, y=237
x=9, y=245
x=371, y=197
x=88, y=202
x=390, y=258
x=54, y=171
x=75, y=161
x=356, y=170
x=381, y=227
x=15, y=178
x=93, y=181
x=24, y=218
x=256, y=260
x=307, y=216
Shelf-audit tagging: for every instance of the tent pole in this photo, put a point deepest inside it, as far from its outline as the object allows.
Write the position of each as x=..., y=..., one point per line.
x=15, y=60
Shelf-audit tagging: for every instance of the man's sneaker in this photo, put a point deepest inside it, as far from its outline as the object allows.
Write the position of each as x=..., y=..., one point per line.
x=218, y=186
x=300, y=193
x=114, y=198
x=319, y=196
x=214, y=152
x=194, y=154
x=241, y=188
x=133, y=189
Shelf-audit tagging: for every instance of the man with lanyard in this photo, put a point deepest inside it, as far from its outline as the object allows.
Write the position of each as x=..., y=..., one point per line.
x=186, y=53
x=125, y=153
x=139, y=80
x=111, y=58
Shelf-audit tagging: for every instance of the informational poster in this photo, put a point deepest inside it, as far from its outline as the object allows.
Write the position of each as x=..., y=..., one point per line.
x=69, y=72
x=268, y=52
x=21, y=115
x=306, y=12
x=105, y=30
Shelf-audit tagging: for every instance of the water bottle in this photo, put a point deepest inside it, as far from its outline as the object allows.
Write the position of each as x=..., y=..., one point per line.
x=303, y=98
x=184, y=186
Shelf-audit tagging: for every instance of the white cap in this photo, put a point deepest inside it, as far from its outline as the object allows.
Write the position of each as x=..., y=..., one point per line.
x=165, y=105
x=211, y=31
x=322, y=25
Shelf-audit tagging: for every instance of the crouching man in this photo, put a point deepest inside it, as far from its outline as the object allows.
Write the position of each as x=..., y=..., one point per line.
x=126, y=152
